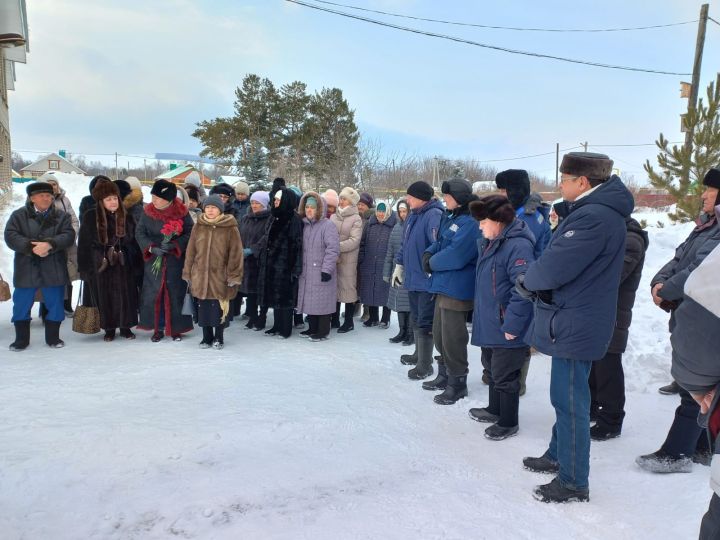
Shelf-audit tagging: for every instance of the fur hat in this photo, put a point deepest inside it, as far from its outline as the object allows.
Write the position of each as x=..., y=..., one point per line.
x=367, y=199
x=214, y=200
x=278, y=183
x=262, y=197
x=493, y=207
x=331, y=198
x=460, y=190
x=134, y=182
x=421, y=190
x=106, y=189
x=350, y=194
x=222, y=189
x=98, y=178
x=241, y=188
x=123, y=187
x=516, y=183
x=39, y=187
x=101, y=190
x=165, y=190
x=588, y=164
x=193, y=193
x=712, y=178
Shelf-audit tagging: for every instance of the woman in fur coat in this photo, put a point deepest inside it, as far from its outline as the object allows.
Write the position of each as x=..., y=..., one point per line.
x=163, y=235
x=107, y=256
x=214, y=269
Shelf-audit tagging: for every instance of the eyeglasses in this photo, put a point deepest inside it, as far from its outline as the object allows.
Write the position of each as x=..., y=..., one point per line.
x=568, y=178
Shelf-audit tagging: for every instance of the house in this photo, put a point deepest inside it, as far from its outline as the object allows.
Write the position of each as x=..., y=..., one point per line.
x=50, y=163
x=177, y=175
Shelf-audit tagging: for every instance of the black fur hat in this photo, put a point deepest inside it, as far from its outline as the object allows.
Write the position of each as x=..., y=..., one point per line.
x=461, y=190
x=223, y=189
x=39, y=187
x=124, y=188
x=493, y=207
x=588, y=164
x=165, y=190
x=712, y=178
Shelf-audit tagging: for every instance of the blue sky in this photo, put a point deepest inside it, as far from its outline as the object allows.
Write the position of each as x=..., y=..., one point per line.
x=134, y=76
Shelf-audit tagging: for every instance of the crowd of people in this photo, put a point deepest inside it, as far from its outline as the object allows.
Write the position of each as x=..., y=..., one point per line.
x=559, y=278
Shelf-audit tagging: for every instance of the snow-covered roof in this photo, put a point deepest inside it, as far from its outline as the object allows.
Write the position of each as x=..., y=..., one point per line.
x=40, y=164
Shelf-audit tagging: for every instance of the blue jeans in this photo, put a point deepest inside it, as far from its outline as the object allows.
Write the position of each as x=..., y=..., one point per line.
x=570, y=442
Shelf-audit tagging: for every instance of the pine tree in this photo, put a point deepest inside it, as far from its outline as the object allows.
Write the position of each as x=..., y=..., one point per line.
x=256, y=171
x=681, y=169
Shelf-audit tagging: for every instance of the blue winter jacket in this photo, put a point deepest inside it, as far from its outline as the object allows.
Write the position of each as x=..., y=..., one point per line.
x=539, y=224
x=580, y=272
x=421, y=230
x=454, y=255
x=498, y=306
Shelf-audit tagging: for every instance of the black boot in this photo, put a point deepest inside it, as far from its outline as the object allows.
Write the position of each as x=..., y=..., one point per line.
x=410, y=336
x=298, y=321
x=410, y=359
x=218, y=343
x=208, y=336
x=440, y=382
x=322, y=328
x=109, y=334
x=670, y=389
x=261, y=320
x=543, y=464
x=555, y=492
x=507, y=425
x=373, y=317
x=491, y=413
x=456, y=390
x=22, y=336
x=312, y=327
x=385, y=318
x=67, y=305
x=403, y=317
x=424, y=367
x=348, y=325
x=43, y=311
x=335, y=319
x=52, y=335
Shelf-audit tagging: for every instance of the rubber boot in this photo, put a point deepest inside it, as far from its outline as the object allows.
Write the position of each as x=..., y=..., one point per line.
x=523, y=376
x=424, y=367
x=403, y=317
x=440, y=382
x=491, y=413
x=52, y=334
x=348, y=325
x=410, y=336
x=22, y=336
x=410, y=359
x=455, y=390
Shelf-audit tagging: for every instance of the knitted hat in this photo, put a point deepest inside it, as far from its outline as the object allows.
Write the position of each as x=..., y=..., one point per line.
x=106, y=189
x=331, y=198
x=588, y=164
x=262, y=197
x=421, y=190
x=39, y=187
x=350, y=194
x=134, y=182
x=123, y=187
x=214, y=200
x=712, y=178
x=367, y=199
x=460, y=190
x=222, y=189
x=493, y=207
x=165, y=190
x=241, y=188
x=311, y=202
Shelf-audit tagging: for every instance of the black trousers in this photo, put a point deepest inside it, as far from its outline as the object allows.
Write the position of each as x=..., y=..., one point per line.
x=710, y=524
x=503, y=367
x=283, y=321
x=685, y=436
x=607, y=391
x=319, y=325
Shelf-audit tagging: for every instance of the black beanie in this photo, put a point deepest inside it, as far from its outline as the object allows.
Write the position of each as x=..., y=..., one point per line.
x=421, y=190
x=516, y=183
x=461, y=190
x=164, y=189
x=124, y=188
x=712, y=178
x=493, y=207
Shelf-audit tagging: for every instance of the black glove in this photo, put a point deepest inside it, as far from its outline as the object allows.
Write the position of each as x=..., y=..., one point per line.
x=324, y=277
x=522, y=291
x=158, y=251
x=426, y=263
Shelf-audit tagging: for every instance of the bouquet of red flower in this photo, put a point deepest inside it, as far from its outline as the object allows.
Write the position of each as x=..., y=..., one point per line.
x=171, y=229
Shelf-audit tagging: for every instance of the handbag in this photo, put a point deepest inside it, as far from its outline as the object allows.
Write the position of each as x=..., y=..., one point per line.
x=4, y=290
x=87, y=318
x=189, y=307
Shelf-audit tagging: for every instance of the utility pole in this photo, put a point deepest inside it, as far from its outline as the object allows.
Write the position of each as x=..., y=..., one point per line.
x=116, y=166
x=557, y=164
x=584, y=145
x=697, y=67
x=145, y=167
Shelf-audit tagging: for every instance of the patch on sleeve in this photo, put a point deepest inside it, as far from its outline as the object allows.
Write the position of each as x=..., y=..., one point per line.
x=569, y=234
x=520, y=262
x=454, y=227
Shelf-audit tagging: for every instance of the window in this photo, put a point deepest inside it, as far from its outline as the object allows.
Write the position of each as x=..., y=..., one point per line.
x=53, y=164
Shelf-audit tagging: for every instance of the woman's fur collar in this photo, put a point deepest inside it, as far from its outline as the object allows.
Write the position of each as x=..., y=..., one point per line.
x=176, y=210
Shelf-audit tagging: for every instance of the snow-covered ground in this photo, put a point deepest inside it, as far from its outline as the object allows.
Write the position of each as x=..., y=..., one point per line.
x=273, y=439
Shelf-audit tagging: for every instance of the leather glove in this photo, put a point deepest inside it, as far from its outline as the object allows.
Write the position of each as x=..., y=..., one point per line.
x=158, y=251
x=325, y=277
x=426, y=263
x=522, y=291
x=398, y=275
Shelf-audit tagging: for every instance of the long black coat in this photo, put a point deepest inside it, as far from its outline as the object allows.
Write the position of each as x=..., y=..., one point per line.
x=25, y=226
x=113, y=290
x=166, y=288
x=252, y=232
x=371, y=260
x=281, y=256
x=636, y=244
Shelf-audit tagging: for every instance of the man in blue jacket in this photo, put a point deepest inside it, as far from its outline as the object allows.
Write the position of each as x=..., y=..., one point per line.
x=421, y=230
x=574, y=284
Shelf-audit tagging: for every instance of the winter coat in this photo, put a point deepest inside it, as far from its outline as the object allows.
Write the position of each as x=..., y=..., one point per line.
x=397, y=296
x=165, y=288
x=214, y=259
x=371, y=260
x=86, y=203
x=113, y=290
x=134, y=205
x=64, y=204
x=349, y=226
x=701, y=241
x=636, y=244
x=321, y=249
x=537, y=217
x=421, y=230
x=242, y=208
x=498, y=306
x=454, y=255
x=24, y=226
x=252, y=232
x=281, y=255
x=580, y=274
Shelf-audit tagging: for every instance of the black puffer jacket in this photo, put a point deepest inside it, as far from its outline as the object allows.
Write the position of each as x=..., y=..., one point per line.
x=636, y=244
x=25, y=226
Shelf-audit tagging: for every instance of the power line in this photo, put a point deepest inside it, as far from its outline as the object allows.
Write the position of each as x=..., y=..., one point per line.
x=492, y=27
x=527, y=157
x=483, y=45
x=709, y=18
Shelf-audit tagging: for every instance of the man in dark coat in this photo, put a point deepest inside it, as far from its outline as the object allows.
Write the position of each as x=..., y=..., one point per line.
x=574, y=284
x=607, y=379
x=684, y=441
x=40, y=236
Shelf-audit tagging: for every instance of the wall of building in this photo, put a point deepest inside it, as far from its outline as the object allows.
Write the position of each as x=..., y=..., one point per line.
x=6, y=163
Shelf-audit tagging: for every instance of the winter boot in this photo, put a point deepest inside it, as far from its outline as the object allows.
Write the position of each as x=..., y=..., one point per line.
x=385, y=318
x=603, y=432
x=670, y=389
x=410, y=359
x=365, y=313
x=157, y=336
x=491, y=413
x=555, y=492
x=298, y=321
x=348, y=325
x=335, y=319
x=507, y=425
x=312, y=327
x=543, y=464
x=109, y=335
x=523, y=376
x=22, y=336
x=127, y=333
x=219, y=342
x=52, y=334
x=373, y=317
x=440, y=382
x=403, y=317
x=42, y=311
x=456, y=390
x=410, y=336
x=322, y=328
x=663, y=463
x=260, y=322
x=424, y=367
x=208, y=337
